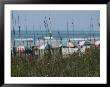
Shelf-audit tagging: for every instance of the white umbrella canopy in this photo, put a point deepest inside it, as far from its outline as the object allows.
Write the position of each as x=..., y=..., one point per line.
x=97, y=43
x=70, y=44
x=92, y=42
x=21, y=47
x=81, y=43
x=42, y=46
x=56, y=44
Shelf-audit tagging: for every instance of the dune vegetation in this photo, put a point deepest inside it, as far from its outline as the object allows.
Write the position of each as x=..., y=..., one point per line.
x=73, y=65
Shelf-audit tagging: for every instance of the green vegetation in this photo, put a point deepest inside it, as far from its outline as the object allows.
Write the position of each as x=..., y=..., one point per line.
x=73, y=65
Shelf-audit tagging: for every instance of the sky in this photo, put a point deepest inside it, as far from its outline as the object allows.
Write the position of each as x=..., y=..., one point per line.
x=34, y=19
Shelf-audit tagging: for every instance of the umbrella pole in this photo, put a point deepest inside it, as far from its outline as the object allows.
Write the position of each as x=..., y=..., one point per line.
x=60, y=43
x=39, y=46
x=13, y=47
x=67, y=35
x=26, y=41
x=73, y=29
x=19, y=34
x=34, y=35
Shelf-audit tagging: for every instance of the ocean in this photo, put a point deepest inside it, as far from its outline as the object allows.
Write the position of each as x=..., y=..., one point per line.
x=57, y=35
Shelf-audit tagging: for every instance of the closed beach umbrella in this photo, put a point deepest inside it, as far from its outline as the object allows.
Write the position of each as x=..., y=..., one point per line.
x=20, y=48
x=68, y=44
x=81, y=43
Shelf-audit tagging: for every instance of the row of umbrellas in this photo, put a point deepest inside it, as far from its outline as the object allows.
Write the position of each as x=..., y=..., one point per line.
x=69, y=44
x=65, y=44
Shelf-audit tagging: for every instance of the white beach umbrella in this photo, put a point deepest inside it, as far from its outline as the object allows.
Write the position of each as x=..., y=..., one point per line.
x=55, y=44
x=70, y=44
x=42, y=46
x=93, y=42
x=81, y=43
x=97, y=43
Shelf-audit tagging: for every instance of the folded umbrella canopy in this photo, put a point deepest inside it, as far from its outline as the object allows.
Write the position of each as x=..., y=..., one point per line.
x=68, y=44
x=81, y=43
